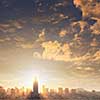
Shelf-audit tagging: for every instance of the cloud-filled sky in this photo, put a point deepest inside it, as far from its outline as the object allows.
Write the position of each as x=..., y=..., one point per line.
x=57, y=39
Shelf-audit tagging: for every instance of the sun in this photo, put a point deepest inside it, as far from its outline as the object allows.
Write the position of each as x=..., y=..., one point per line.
x=29, y=78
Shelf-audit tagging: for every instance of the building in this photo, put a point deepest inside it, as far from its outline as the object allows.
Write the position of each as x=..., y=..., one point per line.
x=35, y=87
x=52, y=91
x=66, y=91
x=45, y=90
x=34, y=94
x=73, y=91
x=60, y=91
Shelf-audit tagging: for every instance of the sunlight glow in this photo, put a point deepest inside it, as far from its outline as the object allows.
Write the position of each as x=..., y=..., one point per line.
x=30, y=76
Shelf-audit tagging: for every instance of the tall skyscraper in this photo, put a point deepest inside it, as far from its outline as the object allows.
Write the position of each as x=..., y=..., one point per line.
x=34, y=95
x=35, y=87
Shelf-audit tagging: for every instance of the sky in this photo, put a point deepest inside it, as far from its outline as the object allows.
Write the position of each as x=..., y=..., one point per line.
x=55, y=40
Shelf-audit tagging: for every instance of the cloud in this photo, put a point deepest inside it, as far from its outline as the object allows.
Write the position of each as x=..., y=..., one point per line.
x=11, y=26
x=96, y=56
x=57, y=18
x=79, y=25
x=5, y=39
x=86, y=66
x=80, y=49
x=4, y=27
x=18, y=24
x=19, y=39
x=2, y=40
x=37, y=55
x=84, y=72
x=94, y=43
x=89, y=7
x=63, y=32
x=90, y=57
x=51, y=49
x=54, y=50
x=86, y=69
x=41, y=36
x=25, y=45
x=96, y=27
x=61, y=4
x=22, y=42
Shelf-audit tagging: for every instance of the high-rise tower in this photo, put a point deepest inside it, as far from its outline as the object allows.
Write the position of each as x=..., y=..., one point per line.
x=34, y=95
x=35, y=87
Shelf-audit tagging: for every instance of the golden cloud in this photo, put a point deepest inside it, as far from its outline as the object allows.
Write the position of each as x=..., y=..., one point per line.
x=54, y=51
x=97, y=56
x=82, y=25
x=64, y=3
x=4, y=27
x=88, y=69
x=89, y=57
x=84, y=72
x=94, y=43
x=88, y=7
x=19, y=39
x=51, y=49
x=25, y=45
x=77, y=2
x=2, y=40
x=41, y=36
x=6, y=39
x=96, y=27
x=63, y=32
x=11, y=26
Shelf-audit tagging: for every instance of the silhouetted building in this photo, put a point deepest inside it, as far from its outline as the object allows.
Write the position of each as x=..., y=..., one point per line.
x=45, y=90
x=35, y=87
x=34, y=95
x=73, y=90
x=52, y=91
x=66, y=91
x=93, y=91
x=60, y=91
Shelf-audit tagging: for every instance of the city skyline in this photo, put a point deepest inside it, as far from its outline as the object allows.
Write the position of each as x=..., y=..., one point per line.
x=44, y=90
x=37, y=87
x=47, y=93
